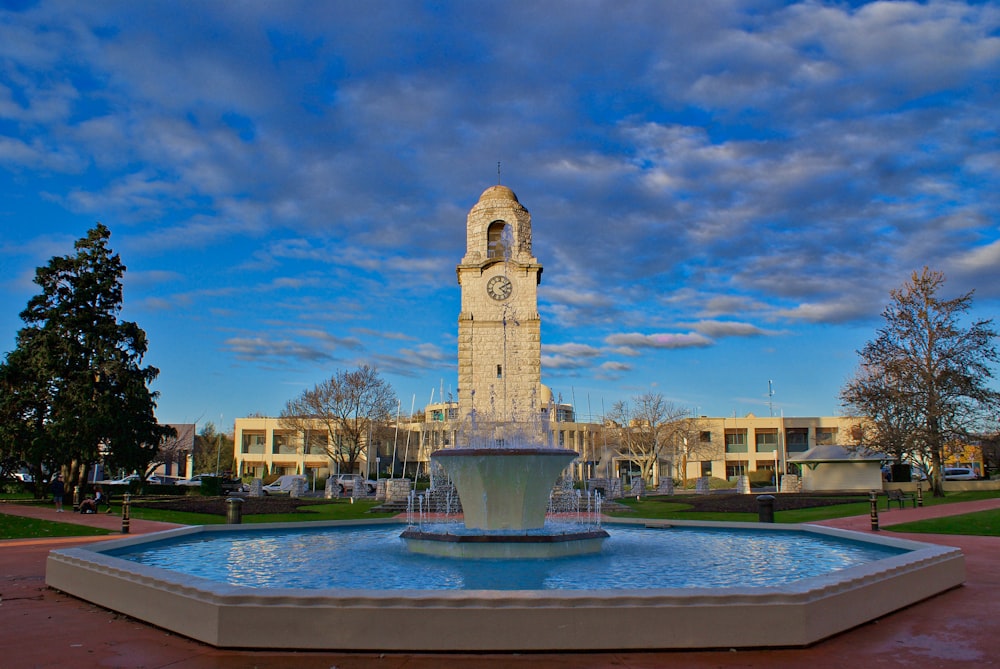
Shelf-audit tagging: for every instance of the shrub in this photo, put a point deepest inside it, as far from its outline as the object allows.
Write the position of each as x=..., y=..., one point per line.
x=211, y=486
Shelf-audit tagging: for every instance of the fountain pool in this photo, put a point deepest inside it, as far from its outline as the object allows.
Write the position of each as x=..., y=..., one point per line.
x=623, y=598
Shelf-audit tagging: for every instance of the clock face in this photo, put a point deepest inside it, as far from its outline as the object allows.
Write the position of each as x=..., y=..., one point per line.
x=499, y=288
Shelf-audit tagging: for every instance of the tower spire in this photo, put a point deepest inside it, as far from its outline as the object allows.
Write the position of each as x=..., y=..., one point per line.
x=498, y=173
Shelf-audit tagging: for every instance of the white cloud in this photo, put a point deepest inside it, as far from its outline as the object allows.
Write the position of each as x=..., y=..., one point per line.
x=717, y=329
x=667, y=340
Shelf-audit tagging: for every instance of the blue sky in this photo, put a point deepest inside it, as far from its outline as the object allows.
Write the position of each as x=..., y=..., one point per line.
x=722, y=194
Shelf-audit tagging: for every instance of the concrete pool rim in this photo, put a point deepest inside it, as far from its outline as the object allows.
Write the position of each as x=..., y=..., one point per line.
x=796, y=614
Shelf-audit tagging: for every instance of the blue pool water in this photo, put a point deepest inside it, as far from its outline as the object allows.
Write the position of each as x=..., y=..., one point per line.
x=375, y=558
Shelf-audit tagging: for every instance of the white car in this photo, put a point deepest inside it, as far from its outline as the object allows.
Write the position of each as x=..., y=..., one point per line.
x=284, y=484
x=959, y=474
x=132, y=477
x=348, y=481
x=225, y=485
x=194, y=481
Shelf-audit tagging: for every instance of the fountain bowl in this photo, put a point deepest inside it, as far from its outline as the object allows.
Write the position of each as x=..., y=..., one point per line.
x=504, y=488
x=505, y=495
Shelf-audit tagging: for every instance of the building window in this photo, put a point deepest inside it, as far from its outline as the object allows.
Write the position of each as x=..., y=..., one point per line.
x=316, y=443
x=736, y=441
x=826, y=436
x=705, y=436
x=706, y=467
x=499, y=371
x=736, y=468
x=283, y=444
x=767, y=440
x=253, y=442
x=495, y=247
x=797, y=439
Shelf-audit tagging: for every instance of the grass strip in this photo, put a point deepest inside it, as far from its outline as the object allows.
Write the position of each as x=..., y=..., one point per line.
x=980, y=523
x=18, y=527
x=341, y=510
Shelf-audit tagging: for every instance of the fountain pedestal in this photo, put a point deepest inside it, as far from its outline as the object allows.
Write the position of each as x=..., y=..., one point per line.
x=504, y=489
x=504, y=494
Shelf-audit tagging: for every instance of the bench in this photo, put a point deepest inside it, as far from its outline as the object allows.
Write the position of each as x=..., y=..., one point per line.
x=899, y=497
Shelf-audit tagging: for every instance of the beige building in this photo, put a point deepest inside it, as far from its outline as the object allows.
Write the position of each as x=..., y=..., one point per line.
x=730, y=447
x=722, y=448
x=263, y=447
x=499, y=377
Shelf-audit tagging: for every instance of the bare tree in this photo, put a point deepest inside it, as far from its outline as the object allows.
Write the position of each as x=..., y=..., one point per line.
x=925, y=374
x=348, y=406
x=891, y=425
x=688, y=445
x=173, y=447
x=648, y=430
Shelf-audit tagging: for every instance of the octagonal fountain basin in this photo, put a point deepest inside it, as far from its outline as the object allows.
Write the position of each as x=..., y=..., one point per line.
x=355, y=586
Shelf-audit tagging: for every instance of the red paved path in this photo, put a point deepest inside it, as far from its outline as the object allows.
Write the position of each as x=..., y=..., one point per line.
x=40, y=627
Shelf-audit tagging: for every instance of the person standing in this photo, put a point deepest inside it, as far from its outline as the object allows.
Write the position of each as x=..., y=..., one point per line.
x=58, y=491
x=100, y=498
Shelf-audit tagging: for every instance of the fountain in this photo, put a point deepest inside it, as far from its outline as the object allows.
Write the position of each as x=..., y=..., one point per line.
x=530, y=587
x=413, y=602
x=504, y=492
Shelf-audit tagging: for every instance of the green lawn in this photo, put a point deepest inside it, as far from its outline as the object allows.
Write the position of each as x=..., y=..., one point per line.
x=16, y=527
x=982, y=523
x=656, y=508
x=340, y=510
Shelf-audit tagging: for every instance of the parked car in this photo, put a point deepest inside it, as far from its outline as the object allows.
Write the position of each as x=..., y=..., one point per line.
x=348, y=481
x=131, y=477
x=194, y=481
x=959, y=474
x=227, y=485
x=24, y=476
x=283, y=485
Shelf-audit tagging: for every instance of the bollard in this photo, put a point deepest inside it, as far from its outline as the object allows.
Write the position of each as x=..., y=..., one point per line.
x=234, y=510
x=76, y=498
x=765, y=508
x=873, y=498
x=920, y=493
x=125, y=511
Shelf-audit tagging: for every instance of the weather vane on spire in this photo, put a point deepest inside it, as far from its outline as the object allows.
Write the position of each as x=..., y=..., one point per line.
x=498, y=173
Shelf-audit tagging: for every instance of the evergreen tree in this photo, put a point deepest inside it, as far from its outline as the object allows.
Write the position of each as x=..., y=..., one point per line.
x=213, y=451
x=74, y=389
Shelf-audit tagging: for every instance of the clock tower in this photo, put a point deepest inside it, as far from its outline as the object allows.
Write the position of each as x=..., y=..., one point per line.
x=499, y=329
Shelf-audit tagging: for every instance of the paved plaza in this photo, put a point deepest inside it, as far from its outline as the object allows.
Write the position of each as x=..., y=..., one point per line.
x=40, y=627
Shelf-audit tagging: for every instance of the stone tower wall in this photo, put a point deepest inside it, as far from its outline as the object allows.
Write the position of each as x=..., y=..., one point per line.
x=499, y=332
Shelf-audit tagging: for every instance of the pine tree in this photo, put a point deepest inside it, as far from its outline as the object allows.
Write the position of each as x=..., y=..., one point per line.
x=74, y=389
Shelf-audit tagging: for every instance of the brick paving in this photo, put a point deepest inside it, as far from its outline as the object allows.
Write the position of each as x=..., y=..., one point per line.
x=41, y=628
